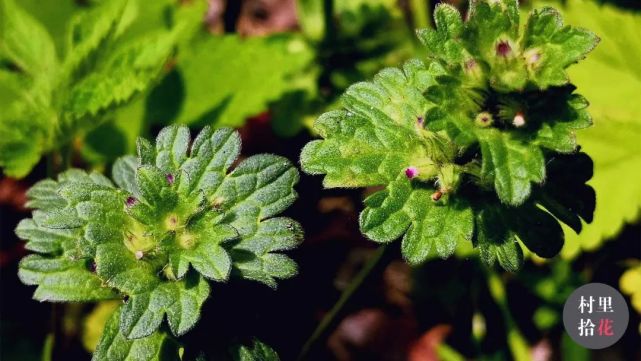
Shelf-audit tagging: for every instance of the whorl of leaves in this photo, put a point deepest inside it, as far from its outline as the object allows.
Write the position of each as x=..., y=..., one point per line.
x=476, y=142
x=176, y=219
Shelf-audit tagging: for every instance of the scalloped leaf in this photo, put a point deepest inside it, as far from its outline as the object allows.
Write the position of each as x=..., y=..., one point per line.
x=179, y=220
x=113, y=345
x=430, y=228
x=63, y=280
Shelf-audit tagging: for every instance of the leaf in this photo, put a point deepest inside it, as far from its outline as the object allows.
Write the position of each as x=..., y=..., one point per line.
x=257, y=351
x=513, y=165
x=213, y=90
x=609, y=78
x=114, y=345
x=377, y=136
x=261, y=187
x=124, y=174
x=88, y=30
x=62, y=280
x=565, y=193
x=255, y=255
x=97, y=74
x=129, y=71
x=25, y=42
x=495, y=241
x=208, y=256
x=181, y=301
x=431, y=228
x=561, y=45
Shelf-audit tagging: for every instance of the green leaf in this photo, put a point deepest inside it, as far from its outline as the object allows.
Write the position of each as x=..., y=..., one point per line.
x=560, y=45
x=495, y=241
x=97, y=75
x=511, y=164
x=25, y=42
x=113, y=345
x=88, y=30
x=431, y=228
x=259, y=188
x=63, y=280
x=377, y=136
x=181, y=301
x=44, y=195
x=257, y=351
x=212, y=85
x=124, y=174
x=129, y=71
x=208, y=256
x=255, y=255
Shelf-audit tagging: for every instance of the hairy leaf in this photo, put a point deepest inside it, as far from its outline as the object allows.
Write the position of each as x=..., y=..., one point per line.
x=257, y=351
x=461, y=142
x=114, y=345
x=177, y=219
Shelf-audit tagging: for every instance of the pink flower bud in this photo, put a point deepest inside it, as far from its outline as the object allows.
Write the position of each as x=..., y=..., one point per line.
x=411, y=172
x=139, y=254
x=170, y=178
x=519, y=120
x=503, y=49
x=131, y=201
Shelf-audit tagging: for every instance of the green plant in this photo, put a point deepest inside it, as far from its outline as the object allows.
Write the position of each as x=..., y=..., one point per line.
x=476, y=142
x=175, y=220
x=53, y=96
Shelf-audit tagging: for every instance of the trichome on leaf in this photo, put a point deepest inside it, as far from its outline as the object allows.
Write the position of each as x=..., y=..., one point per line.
x=175, y=220
x=461, y=139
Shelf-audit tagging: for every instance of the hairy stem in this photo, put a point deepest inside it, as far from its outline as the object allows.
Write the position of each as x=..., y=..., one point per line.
x=332, y=317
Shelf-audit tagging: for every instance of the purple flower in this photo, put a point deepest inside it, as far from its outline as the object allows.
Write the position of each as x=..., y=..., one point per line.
x=170, y=178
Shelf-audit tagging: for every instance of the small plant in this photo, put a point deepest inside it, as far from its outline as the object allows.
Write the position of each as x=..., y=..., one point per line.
x=174, y=221
x=474, y=143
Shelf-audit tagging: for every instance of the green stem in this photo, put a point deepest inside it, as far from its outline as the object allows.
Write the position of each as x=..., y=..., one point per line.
x=331, y=318
x=516, y=342
x=420, y=13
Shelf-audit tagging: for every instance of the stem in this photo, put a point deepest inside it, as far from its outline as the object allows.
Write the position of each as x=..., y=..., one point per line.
x=331, y=318
x=420, y=13
x=516, y=342
x=328, y=18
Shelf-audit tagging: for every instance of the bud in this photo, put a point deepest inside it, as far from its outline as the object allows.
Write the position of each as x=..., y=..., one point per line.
x=532, y=56
x=411, y=172
x=139, y=254
x=519, y=120
x=484, y=119
x=170, y=178
x=437, y=195
x=131, y=201
x=420, y=120
x=503, y=49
